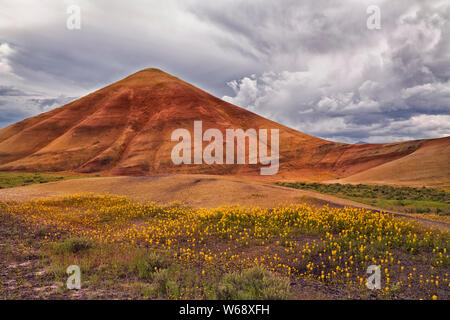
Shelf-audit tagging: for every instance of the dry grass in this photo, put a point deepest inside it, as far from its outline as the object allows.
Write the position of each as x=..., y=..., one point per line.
x=192, y=190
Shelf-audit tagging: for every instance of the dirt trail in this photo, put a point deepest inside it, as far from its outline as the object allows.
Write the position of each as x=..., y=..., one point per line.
x=196, y=191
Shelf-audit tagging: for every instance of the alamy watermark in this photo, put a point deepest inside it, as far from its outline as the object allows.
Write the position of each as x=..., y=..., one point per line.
x=374, y=19
x=74, y=280
x=374, y=280
x=235, y=153
x=74, y=20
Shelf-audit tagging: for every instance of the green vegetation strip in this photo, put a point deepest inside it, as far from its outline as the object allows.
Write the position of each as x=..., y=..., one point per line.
x=18, y=179
x=406, y=199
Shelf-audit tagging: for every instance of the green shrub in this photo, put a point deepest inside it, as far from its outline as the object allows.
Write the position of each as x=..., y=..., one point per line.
x=74, y=245
x=253, y=284
x=165, y=287
x=147, y=263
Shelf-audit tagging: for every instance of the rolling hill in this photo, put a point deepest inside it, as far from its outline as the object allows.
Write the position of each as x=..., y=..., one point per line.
x=125, y=129
x=429, y=165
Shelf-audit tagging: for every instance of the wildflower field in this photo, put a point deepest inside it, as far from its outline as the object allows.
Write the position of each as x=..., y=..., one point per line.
x=176, y=252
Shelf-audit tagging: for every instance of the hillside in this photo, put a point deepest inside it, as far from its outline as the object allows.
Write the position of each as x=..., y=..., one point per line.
x=429, y=165
x=125, y=129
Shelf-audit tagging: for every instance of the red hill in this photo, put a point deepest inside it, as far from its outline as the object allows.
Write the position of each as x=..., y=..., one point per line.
x=125, y=129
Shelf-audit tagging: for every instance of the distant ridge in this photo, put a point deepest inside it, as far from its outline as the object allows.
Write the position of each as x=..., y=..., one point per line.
x=125, y=128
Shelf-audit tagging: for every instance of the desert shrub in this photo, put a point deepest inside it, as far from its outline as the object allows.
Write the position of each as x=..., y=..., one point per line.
x=165, y=287
x=147, y=263
x=253, y=284
x=73, y=245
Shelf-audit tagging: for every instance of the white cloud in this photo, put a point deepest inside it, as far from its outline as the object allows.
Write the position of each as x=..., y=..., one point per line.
x=366, y=89
x=246, y=91
x=5, y=52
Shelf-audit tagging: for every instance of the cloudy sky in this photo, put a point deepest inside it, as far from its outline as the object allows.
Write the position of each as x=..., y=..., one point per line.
x=313, y=65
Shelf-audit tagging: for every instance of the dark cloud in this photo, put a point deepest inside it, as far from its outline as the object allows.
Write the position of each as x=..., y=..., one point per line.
x=50, y=103
x=14, y=108
x=312, y=65
x=11, y=91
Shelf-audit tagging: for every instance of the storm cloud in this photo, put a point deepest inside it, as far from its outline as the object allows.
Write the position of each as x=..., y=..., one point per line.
x=311, y=65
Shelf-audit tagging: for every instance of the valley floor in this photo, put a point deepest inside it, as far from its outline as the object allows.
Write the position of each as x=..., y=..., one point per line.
x=140, y=250
x=198, y=241
x=199, y=191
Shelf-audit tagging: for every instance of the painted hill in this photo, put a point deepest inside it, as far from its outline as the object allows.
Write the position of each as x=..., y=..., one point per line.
x=125, y=129
x=428, y=165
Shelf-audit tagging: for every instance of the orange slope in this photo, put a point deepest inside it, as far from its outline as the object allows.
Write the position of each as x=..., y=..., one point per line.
x=125, y=129
x=429, y=165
